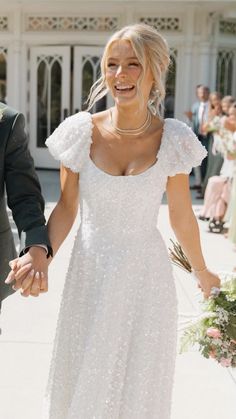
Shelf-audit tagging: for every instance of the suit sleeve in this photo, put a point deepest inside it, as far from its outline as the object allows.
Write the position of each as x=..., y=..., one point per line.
x=24, y=196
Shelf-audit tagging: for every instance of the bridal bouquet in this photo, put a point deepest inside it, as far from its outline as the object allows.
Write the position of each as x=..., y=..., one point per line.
x=214, y=332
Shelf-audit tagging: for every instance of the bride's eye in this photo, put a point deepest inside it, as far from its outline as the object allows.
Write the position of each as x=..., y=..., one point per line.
x=111, y=65
x=134, y=64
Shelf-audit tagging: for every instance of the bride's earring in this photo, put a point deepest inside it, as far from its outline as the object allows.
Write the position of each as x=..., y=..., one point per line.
x=154, y=95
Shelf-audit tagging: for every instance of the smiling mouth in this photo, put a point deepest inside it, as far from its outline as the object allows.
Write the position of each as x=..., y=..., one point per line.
x=127, y=88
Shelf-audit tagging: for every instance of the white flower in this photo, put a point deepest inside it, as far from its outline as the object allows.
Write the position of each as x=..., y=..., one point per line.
x=215, y=124
x=217, y=341
x=223, y=315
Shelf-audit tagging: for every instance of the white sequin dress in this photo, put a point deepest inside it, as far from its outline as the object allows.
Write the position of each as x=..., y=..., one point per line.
x=115, y=344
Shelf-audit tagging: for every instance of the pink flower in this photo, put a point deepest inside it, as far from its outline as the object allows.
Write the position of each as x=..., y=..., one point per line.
x=233, y=341
x=213, y=332
x=225, y=362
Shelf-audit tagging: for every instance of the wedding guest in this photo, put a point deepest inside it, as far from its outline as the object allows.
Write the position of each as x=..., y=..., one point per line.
x=198, y=116
x=230, y=216
x=217, y=195
x=24, y=198
x=189, y=113
x=226, y=102
x=214, y=101
x=215, y=160
x=232, y=223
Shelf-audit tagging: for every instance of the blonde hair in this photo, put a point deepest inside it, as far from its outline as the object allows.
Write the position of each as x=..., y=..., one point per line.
x=151, y=50
x=229, y=99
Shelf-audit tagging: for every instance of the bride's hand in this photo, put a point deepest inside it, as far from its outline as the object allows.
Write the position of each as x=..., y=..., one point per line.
x=30, y=272
x=207, y=280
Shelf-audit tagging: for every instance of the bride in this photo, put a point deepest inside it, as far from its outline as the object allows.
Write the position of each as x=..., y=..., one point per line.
x=115, y=346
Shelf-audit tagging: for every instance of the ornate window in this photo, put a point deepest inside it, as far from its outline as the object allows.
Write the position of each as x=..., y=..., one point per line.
x=3, y=23
x=225, y=70
x=71, y=23
x=228, y=27
x=90, y=73
x=49, y=79
x=3, y=74
x=170, y=86
x=172, y=24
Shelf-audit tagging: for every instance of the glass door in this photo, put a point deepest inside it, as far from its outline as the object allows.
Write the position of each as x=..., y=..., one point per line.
x=86, y=72
x=49, y=98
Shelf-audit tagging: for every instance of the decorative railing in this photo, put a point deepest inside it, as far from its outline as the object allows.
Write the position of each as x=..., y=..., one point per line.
x=71, y=23
x=172, y=24
x=228, y=27
x=4, y=23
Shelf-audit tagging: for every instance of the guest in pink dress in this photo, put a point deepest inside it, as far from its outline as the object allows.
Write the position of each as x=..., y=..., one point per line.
x=218, y=191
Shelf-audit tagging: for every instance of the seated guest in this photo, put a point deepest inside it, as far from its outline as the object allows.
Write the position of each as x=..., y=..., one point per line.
x=217, y=195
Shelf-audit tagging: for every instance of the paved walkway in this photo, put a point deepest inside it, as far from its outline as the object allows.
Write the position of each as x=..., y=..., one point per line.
x=203, y=390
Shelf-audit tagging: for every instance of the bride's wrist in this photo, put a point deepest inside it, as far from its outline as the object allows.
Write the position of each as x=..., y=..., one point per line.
x=200, y=271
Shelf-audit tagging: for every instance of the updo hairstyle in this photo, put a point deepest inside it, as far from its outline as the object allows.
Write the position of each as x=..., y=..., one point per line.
x=151, y=50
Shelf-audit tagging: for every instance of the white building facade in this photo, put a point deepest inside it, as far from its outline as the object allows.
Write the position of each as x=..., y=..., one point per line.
x=50, y=53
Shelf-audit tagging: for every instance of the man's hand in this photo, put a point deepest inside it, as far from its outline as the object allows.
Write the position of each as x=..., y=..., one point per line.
x=189, y=114
x=30, y=272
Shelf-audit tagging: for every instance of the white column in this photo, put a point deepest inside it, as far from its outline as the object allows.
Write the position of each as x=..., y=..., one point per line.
x=234, y=76
x=24, y=90
x=184, y=79
x=14, y=76
x=203, y=75
x=213, y=68
x=214, y=35
x=184, y=82
x=14, y=63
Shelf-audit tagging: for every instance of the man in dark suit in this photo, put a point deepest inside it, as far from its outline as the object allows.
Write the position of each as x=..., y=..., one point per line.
x=198, y=116
x=19, y=180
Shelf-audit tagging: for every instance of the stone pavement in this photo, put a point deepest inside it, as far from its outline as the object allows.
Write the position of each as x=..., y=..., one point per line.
x=203, y=390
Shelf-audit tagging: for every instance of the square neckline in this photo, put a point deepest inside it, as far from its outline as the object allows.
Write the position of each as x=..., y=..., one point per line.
x=146, y=171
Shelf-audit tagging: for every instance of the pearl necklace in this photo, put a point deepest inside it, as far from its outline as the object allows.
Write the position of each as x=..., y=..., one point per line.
x=135, y=131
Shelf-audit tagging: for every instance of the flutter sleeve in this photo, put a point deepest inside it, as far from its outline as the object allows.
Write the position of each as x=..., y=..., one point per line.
x=183, y=149
x=71, y=140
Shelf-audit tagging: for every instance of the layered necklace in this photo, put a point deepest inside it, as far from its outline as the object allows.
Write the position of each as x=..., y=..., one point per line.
x=134, y=131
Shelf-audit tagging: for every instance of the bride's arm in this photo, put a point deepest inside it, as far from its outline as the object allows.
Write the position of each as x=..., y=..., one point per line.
x=185, y=226
x=26, y=269
x=64, y=213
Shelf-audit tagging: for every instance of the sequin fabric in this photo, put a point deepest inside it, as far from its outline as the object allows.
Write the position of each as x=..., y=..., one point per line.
x=115, y=344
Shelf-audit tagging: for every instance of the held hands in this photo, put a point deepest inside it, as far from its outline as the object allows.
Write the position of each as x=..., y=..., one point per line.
x=206, y=281
x=30, y=272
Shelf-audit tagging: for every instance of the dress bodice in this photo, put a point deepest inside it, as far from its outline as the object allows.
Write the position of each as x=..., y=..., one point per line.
x=116, y=204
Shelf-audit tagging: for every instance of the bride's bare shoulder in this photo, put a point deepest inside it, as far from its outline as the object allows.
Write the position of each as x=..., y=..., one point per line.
x=100, y=118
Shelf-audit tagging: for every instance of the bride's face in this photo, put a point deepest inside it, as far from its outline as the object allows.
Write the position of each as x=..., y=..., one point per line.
x=123, y=72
